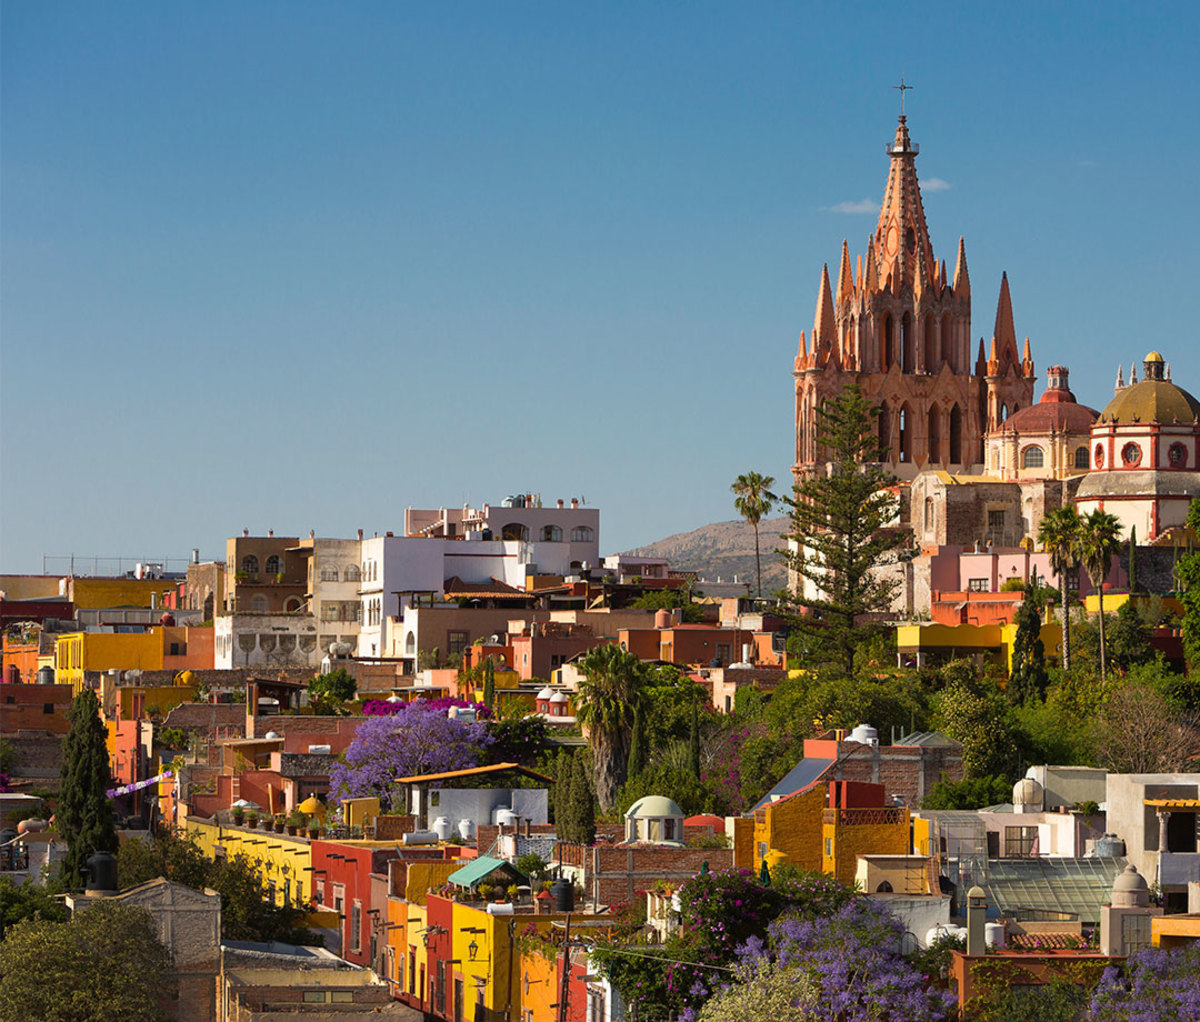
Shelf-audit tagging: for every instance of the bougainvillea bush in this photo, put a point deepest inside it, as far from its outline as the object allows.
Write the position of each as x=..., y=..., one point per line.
x=420, y=740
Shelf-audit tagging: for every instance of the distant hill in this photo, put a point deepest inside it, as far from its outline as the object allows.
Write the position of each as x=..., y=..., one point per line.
x=724, y=549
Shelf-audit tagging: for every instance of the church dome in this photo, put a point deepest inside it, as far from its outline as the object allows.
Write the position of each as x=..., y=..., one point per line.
x=1056, y=411
x=1155, y=399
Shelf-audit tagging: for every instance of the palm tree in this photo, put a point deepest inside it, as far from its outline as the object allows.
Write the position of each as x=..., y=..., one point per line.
x=1099, y=540
x=609, y=693
x=1059, y=536
x=754, y=501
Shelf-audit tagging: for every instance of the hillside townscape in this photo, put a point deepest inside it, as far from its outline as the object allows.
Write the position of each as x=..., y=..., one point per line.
x=913, y=735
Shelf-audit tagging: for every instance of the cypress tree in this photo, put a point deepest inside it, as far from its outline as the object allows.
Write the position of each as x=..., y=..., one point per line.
x=637, y=746
x=583, y=808
x=489, y=683
x=562, y=789
x=84, y=818
x=1028, y=679
x=1133, y=559
x=694, y=741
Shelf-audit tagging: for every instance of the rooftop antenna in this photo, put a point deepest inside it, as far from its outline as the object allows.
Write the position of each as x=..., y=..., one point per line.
x=902, y=88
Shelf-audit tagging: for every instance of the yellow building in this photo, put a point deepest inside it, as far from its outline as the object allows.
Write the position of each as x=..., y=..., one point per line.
x=77, y=652
x=1177, y=930
x=994, y=642
x=789, y=830
x=849, y=833
x=99, y=593
x=283, y=862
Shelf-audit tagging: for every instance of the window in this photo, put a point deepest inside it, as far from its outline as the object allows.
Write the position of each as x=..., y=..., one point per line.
x=329, y=574
x=1034, y=457
x=829, y=846
x=410, y=644
x=250, y=564
x=514, y=531
x=315, y=996
x=928, y=514
x=356, y=926
x=551, y=534
x=341, y=996
x=1081, y=458
x=456, y=642
x=1177, y=455
x=977, y=585
x=581, y=534
x=259, y=604
x=1131, y=454
x=996, y=521
x=273, y=566
x=353, y=573
x=1020, y=842
x=1099, y=456
x=47, y=707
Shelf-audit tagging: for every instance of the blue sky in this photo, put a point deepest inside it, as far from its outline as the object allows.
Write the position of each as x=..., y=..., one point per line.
x=300, y=265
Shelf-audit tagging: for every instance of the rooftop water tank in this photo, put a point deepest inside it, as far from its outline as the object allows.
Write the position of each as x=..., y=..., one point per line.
x=45, y=675
x=864, y=734
x=993, y=934
x=441, y=827
x=1109, y=846
x=320, y=750
x=504, y=817
x=466, y=830
x=419, y=837
x=563, y=893
x=102, y=872
x=1027, y=796
x=503, y=908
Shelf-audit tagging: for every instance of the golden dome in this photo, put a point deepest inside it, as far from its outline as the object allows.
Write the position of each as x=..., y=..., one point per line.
x=1154, y=356
x=1151, y=401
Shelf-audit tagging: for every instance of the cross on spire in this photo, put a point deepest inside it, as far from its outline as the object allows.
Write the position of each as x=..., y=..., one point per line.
x=902, y=88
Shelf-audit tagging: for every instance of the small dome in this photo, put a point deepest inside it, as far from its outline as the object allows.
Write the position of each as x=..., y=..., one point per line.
x=653, y=806
x=546, y=693
x=1027, y=792
x=1130, y=880
x=1153, y=356
x=167, y=620
x=1152, y=401
x=558, y=697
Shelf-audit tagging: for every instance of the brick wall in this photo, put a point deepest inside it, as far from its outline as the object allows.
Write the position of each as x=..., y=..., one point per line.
x=618, y=872
x=906, y=772
x=37, y=755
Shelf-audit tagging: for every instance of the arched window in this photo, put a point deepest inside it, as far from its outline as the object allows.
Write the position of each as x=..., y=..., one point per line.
x=932, y=355
x=250, y=564
x=885, y=431
x=258, y=603
x=410, y=644
x=292, y=604
x=329, y=574
x=1081, y=457
x=906, y=434
x=551, y=534
x=935, y=440
x=581, y=534
x=928, y=514
x=907, y=343
x=1034, y=457
x=272, y=565
x=514, y=531
x=353, y=574
x=956, y=427
x=889, y=343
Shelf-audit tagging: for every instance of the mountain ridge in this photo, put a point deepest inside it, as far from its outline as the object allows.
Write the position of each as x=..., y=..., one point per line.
x=723, y=550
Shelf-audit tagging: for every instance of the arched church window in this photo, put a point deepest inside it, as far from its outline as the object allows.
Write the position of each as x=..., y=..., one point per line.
x=907, y=343
x=1177, y=456
x=1131, y=454
x=956, y=427
x=1098, y=457
x=1081, y=457
x=1034, y=457
x=935, y=441
x=906, y=428
x=889, y=342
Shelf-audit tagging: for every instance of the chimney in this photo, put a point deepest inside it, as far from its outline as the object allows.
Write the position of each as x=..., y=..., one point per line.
x=559, y=503
x=574, y=503
x=245, y=533
x=976, y=922
x=270, y=534
x=360, y=535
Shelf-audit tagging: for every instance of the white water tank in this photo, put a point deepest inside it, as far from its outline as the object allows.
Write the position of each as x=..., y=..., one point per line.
x=502, y=908
x=419, y=837
x=1028, y=796
x=441, y=827
x=320, y=750
x=994, y=934
x=504, y=817
x=936, y=933
x=466, y=830
x=864, y=734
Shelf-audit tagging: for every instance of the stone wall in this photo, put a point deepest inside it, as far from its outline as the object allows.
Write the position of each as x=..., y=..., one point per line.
x=617, y=872
x=38, y=755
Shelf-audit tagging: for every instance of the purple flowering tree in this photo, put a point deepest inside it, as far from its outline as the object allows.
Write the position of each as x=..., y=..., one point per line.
x=1154, y=986
x=844, y=968
x=418, y=740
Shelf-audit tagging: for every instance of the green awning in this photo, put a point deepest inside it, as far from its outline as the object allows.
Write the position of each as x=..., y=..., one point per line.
x=480, y=869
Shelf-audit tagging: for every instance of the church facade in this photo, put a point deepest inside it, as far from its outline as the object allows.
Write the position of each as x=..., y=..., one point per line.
x=899, y=327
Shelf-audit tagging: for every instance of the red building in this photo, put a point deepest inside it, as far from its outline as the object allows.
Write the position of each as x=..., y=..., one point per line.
x=342, y=873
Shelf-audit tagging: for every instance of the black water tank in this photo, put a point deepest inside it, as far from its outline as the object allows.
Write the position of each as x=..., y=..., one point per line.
x=45, y=675
x=563, y=893
x=102, y=872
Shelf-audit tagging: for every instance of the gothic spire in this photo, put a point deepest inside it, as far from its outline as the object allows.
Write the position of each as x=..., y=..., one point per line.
x=845, y=287
x=824, y=326
x=962, y=279
x=1004, y=337
x=901, y=233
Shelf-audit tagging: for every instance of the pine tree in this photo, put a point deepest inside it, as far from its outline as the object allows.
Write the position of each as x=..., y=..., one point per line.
x=84, y=817
x=1028, y=679
x=489, y=683
x=583, y=807
x=842, y=524
x=562, y=789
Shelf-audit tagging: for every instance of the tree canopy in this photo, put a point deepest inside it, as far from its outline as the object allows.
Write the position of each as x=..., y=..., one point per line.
x=416, y=740
x=328, y=693
x=611, y=686
x=105, y=965
x=753, y=499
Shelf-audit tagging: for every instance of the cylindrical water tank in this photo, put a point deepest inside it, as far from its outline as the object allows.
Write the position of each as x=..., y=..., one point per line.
x=993, y=934
x=864, y=734
x=563, y=893
x=466, y=830
x=45, y=675
x=419, y=837
x=500, y=908
x=1109, y=846
x=33, y=825
x=936, y=933
x=441, y=827
x=102, y=872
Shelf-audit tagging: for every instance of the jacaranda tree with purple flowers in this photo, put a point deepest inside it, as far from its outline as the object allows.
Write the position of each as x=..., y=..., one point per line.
x=844, y=968
x=1155, y=985
x=417, y=740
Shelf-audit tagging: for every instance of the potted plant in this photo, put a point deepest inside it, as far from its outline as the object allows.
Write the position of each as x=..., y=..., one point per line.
x=280, y=819
x=295, y=820
x=314, y=827
x=237, y=814
x=512, y=893
x=252, y=819
x=485, y=891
